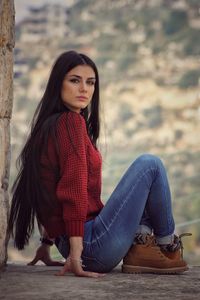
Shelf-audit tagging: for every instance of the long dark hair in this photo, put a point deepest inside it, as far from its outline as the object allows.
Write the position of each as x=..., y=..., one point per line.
x=30, y=198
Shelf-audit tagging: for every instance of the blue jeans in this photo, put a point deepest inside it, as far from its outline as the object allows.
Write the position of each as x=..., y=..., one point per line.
x=141, y=200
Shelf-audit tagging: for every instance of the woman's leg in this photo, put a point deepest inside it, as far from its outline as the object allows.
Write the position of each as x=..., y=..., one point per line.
x=143, y=188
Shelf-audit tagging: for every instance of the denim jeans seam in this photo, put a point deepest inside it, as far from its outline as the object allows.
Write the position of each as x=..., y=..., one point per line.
x=167, y=203
x=122, y=205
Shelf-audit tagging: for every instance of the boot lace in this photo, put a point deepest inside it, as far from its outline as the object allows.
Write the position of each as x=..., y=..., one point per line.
x=177, y=244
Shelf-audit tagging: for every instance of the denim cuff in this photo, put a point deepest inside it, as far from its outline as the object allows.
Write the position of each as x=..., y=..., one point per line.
x=168, y=239
x=144, y=229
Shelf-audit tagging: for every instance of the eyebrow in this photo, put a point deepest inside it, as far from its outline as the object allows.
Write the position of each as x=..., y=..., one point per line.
x=77, y=76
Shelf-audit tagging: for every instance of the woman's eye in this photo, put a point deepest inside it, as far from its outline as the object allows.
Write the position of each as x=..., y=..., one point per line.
x=91, y=82
x=74, y=80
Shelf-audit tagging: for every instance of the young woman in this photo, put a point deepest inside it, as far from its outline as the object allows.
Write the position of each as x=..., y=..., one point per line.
x=59, y=183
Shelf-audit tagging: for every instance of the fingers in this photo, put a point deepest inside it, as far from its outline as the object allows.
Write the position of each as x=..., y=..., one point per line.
x=77, y=269
x=33, y=262
x=81, y=274
x=46, y=262
x=64, y=270
x=56, y=263
x=92, y=274
x=50, y=262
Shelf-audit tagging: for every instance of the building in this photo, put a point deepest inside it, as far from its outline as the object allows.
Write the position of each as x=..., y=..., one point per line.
x=45, y=22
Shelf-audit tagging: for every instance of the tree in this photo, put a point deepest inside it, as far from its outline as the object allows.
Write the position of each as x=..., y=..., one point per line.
x=7, y=14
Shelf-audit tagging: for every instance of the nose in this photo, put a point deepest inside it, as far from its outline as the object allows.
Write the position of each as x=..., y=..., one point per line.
x=83, y=86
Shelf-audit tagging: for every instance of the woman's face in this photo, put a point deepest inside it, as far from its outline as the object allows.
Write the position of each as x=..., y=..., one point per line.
x=78, y=87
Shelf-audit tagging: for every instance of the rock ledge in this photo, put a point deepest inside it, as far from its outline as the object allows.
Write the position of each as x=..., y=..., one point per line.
x=38, y=282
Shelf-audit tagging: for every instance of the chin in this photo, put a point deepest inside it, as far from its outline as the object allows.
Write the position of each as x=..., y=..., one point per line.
x=83, y=106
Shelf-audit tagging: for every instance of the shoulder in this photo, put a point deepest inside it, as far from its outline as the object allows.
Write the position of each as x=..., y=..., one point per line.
x=71, y=116
x=71, y=120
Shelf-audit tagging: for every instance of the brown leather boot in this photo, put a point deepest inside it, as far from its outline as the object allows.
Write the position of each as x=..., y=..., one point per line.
x=146, y=257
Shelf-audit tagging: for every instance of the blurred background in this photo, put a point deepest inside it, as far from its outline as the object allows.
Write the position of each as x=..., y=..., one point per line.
x=148, y=55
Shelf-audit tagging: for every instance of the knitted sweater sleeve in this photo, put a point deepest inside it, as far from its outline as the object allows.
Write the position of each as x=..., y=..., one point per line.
x=71, y=189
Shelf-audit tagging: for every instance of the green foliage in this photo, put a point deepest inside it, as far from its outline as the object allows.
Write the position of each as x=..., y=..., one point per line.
x=189, y=79
x=154, y=116
x=101, y=60
x=25, y=81
x=126, y=61
x=17, y=33
x=192, y=42
x=194, y=3
x=21, y=101
x=148, y=15
x=81, y=5
x=178, y=134
x=157, y=48
x=126, y=112
x=105, y=43
x=83, y=27
x=121, y=24
x=176, y=21
x=32, y=62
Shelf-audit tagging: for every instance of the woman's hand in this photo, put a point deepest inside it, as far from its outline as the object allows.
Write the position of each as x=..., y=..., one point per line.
x=73, y=263
x=43, y=254
x=75, y=266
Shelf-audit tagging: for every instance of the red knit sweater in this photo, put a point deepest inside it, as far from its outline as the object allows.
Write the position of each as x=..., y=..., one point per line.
x=77, y=187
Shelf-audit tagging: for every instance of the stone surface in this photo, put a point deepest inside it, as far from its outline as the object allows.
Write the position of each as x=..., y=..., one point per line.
x=40, y=282
x=6, y=95
x=7, y=14
x=4, y=176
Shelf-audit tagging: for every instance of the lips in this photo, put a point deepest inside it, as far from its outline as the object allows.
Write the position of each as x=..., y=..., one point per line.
x=82, y=98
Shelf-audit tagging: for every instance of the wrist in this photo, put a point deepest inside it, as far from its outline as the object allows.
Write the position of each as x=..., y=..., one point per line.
x=46, y=241
x=75, y=254
x=76, y=244
x=75, y=260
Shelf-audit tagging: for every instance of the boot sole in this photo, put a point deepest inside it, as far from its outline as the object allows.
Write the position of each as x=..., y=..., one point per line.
x=139, y=269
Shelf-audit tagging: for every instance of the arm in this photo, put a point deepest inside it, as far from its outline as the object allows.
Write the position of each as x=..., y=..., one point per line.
x=72, y=187
x=76, y=247
x=45, y=239
x=43, y=251
x=71, y=190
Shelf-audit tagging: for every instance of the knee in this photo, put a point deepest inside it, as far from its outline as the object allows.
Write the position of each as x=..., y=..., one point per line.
x=149, y=160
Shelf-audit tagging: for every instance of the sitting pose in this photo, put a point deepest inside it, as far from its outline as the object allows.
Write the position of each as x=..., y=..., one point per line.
x=59, y=184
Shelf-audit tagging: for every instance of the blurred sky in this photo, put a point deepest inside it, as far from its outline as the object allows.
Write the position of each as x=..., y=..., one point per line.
x=21, y=6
